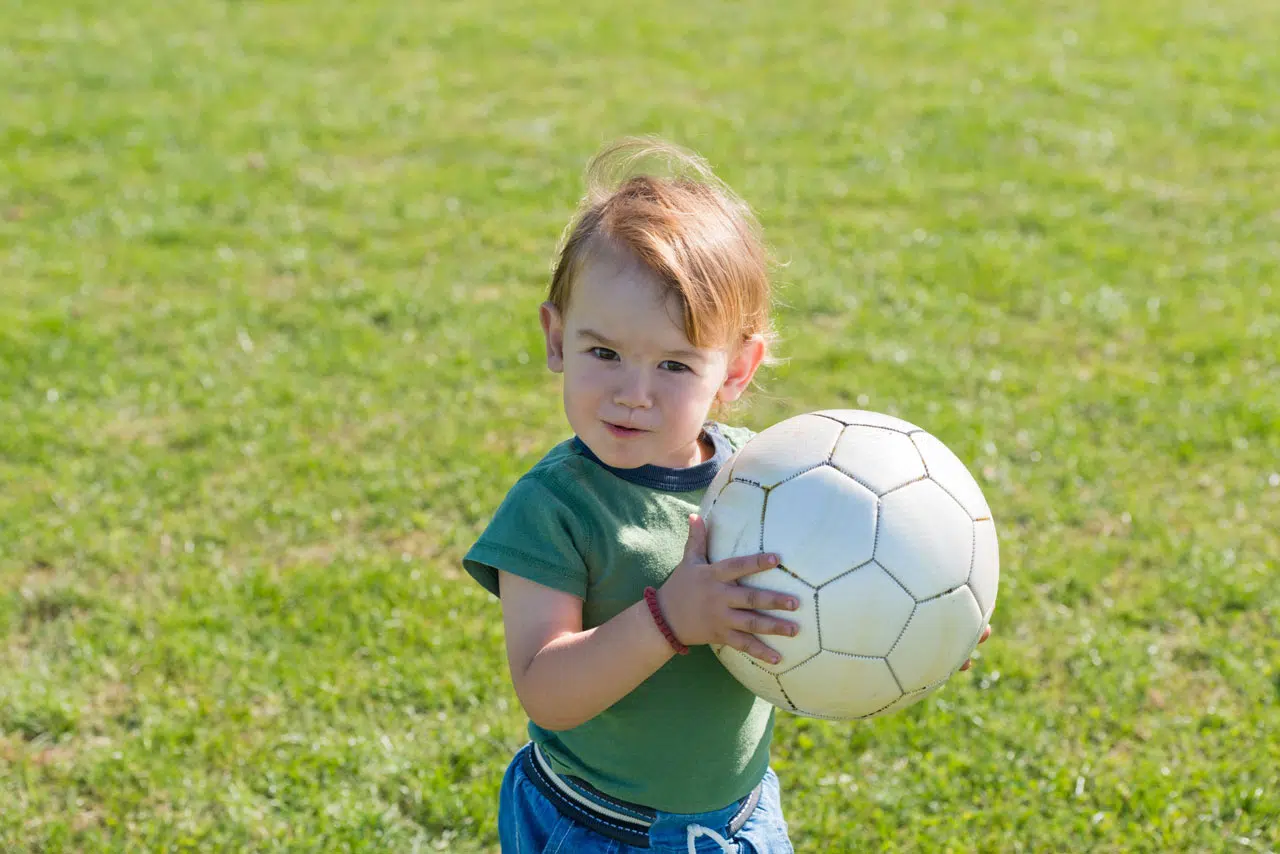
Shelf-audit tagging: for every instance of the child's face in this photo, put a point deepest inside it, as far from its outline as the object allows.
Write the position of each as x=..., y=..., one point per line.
x=636, y=391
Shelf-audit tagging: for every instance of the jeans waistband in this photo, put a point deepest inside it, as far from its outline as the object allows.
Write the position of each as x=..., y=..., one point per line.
x=611, y=817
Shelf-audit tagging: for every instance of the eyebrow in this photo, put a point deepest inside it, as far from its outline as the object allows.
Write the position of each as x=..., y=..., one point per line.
x=591, y=333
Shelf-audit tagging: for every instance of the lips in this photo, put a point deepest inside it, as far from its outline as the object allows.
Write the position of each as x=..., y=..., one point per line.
x=623, y=432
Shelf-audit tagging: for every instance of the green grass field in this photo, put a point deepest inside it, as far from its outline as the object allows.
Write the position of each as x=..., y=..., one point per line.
x=269, y=358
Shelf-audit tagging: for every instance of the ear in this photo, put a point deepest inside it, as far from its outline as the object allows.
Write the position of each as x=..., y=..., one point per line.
x=742, y=367
x=553, y=331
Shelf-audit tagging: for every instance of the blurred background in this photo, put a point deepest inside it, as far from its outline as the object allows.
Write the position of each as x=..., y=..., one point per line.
x=269, y=358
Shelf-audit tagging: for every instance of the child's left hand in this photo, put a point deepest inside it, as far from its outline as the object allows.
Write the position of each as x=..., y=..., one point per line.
x=986, y=633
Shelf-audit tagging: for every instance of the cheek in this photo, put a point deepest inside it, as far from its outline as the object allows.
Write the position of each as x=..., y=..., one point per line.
x=582, y=382
x=693, y=396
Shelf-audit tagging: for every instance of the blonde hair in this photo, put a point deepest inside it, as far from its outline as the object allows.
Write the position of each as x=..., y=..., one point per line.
x=690, y=230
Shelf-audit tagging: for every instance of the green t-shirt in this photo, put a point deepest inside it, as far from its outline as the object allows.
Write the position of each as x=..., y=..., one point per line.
x=690, y=738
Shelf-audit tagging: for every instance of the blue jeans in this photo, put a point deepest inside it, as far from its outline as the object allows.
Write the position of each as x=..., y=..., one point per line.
x=528, y=823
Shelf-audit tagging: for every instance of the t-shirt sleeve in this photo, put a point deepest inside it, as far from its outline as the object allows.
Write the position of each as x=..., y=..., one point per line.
x=533, y=534
x=737, y=436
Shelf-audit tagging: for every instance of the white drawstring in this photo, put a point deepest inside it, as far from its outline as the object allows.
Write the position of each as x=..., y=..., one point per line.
x=696, y=830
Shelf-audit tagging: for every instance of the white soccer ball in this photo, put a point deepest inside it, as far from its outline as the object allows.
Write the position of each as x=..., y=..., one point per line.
x=886, y=540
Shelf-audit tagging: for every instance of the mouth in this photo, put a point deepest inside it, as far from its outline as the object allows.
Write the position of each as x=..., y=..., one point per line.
x=623, y=432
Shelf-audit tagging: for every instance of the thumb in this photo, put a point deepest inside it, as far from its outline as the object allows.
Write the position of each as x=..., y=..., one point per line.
x=696, y=547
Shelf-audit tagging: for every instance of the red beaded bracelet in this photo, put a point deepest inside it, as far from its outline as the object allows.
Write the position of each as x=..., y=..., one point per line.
x=651, y=597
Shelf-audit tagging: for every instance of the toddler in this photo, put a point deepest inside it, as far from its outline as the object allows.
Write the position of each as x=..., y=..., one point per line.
x=658, y=311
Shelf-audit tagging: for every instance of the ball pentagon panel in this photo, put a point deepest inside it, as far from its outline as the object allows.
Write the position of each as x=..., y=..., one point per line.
x=925, y=539
x=822, y=524
x=863, y=612
x=878, y=458
x=940, y=636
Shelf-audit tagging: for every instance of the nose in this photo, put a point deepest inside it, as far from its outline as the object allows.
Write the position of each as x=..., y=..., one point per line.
x=633, y=390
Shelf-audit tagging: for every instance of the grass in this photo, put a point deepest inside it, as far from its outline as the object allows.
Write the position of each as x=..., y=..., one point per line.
x=268, y=360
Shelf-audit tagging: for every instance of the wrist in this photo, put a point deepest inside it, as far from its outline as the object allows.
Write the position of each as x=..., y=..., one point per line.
x=654, y=601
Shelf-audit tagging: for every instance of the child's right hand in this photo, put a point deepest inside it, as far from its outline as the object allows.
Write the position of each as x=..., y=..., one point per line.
x=703, y=603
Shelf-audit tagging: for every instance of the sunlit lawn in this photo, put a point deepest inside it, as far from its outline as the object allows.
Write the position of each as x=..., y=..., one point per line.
x=269, y=358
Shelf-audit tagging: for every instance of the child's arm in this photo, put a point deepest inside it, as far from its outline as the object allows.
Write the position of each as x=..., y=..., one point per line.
x=565, y=676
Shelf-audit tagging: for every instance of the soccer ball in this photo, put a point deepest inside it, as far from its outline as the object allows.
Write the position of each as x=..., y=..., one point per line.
x=886, y=540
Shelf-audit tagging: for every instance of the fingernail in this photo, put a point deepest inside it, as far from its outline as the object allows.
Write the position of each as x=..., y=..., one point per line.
x=792, y=631
x=793, y=604
x=773, y=559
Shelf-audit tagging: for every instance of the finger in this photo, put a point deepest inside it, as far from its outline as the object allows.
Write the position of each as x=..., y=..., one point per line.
x=761, y=624
x=752, y=646
x=986, y=633
x=754, y=599
x=734, y=568
x=695, y=548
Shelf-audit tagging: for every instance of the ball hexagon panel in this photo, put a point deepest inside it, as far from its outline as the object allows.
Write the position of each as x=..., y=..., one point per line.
x=946, y=468
x=759, y=682
x=925, y=539
x=940, y=636
x=717, y=486
x=881, y=459
x=863, y=417
x=984, y=578
x=787, y=447
x=733, y=521
x=863, y=612
x=822, y=523
x=805, y=642
x=815, y=686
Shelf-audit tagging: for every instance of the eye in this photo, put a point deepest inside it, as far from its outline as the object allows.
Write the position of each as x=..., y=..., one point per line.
x=604, y=354
x=675, y=367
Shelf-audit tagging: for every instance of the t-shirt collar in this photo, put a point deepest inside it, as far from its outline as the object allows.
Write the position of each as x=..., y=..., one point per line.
x=670, y=479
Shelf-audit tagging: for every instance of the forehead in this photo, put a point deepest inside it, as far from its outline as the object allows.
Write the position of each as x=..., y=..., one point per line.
x=616, y=295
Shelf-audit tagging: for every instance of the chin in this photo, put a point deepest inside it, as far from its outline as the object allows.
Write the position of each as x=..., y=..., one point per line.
x=622, y=460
